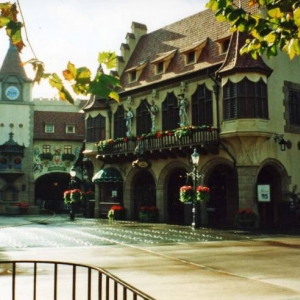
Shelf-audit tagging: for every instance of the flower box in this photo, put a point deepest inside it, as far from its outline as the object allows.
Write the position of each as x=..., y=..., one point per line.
x=46, y=156
x=245, y=219
x=116, y=212
x=68, y=157
x=148, y=214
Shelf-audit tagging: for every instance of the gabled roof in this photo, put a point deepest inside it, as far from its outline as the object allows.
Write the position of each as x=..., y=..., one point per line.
x=189, y=32
x=234, y=62
x=12, y=64
x=199, y=32
x=59, y=120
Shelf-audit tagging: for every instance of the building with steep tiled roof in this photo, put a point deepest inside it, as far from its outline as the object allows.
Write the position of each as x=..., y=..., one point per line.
x=40, y=140
x=184, y=87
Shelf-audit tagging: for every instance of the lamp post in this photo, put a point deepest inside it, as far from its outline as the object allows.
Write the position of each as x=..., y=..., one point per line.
x=195, y=176
x=72, y=186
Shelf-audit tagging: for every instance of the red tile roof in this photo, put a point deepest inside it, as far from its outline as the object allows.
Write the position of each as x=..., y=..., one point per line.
x=60, y=120
x=183, y=35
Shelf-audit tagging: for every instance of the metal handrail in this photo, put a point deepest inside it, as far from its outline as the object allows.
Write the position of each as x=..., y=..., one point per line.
x=205, y=136
x=99, y=283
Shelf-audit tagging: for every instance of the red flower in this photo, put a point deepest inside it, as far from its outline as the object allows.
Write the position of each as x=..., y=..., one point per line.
x=204, y=189
x=185, y=188
x=159, y=135
x=125, y=139
x=149, y=208
x=117, y=207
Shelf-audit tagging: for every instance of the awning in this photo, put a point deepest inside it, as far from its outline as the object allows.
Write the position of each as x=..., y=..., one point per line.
x=107, y=175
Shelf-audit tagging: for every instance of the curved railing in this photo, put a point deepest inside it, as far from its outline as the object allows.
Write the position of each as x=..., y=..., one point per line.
x=44, y=280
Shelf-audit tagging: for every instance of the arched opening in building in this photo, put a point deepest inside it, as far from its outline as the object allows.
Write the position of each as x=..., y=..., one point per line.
x=49, y=190
x=223, y=202
x=144, y=191
x=175, y=208
x=272, y=212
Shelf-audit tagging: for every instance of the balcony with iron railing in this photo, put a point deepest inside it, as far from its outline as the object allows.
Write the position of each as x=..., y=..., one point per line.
x=160, y=145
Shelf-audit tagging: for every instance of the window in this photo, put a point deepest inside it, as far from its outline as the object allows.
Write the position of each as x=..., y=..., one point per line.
x=67, y=149
x=202, y=113
x=160, y=68
x=162, y=61
x=143, y=119
x=95, y=129
x=292, y=106
x=49, y=128
x=119, y=122
x=245, y=99
x=46, y=148
x=224, y=45
x=190, y=58
x=170, y=112
x=132, y=76
x=193, y=51
x=70, y=128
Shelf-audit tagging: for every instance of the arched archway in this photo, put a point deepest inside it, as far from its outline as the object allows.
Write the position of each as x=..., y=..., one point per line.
x=144, y=193
x=49, y=189
x=175, y=208
x=221, y=178
x=172, y=177
x=274, y=212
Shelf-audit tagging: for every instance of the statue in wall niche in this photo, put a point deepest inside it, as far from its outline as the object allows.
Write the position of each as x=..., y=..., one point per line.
x=153, y=110
x=128, y=117
x=182, y=103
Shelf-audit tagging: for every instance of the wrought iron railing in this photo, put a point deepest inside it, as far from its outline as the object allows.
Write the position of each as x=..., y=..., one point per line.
x=61, y=280
x=202, y=136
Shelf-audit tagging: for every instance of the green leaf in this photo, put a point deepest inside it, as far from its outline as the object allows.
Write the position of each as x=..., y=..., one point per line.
x=272, y=51
x=297, y=17
x=271, y=38
x=4, y=21
x=107, y=58
x=55, y=81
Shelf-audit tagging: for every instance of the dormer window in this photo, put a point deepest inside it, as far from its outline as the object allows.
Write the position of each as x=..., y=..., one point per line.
x=192, y=52
x=190, y=58
x=160, y=68
x=132, y=76
x=49, y=128
x=162, y=62
x=135, y=72
x=224, y=45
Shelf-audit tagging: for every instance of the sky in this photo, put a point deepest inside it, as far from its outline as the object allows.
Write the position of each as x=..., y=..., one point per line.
x=60, y=31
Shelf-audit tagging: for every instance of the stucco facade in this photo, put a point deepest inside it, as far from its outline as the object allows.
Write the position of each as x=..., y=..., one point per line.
x=25, y=177
x=238, y=117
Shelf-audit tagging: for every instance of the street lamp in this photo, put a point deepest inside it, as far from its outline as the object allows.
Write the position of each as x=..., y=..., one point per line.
x=195, y=176
x=72, y=186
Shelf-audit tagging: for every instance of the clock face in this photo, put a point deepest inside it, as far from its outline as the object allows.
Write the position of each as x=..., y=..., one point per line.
x=12, y=93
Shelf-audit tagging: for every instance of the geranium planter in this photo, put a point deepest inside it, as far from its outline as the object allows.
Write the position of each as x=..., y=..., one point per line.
x=186, y=193
x=116, y=212
x=148, y=214
x=245, y=219
x=202, y=193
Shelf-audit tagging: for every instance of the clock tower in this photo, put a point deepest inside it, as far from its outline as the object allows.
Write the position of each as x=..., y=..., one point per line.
x=16, y=132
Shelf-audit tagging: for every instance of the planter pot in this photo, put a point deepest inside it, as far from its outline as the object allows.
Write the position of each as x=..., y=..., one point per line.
x=119, y=215
x=23, y=210
x=246, y=224
x=148, y=217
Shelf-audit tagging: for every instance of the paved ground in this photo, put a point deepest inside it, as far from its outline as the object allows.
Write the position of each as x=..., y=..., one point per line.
x=167, y=262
